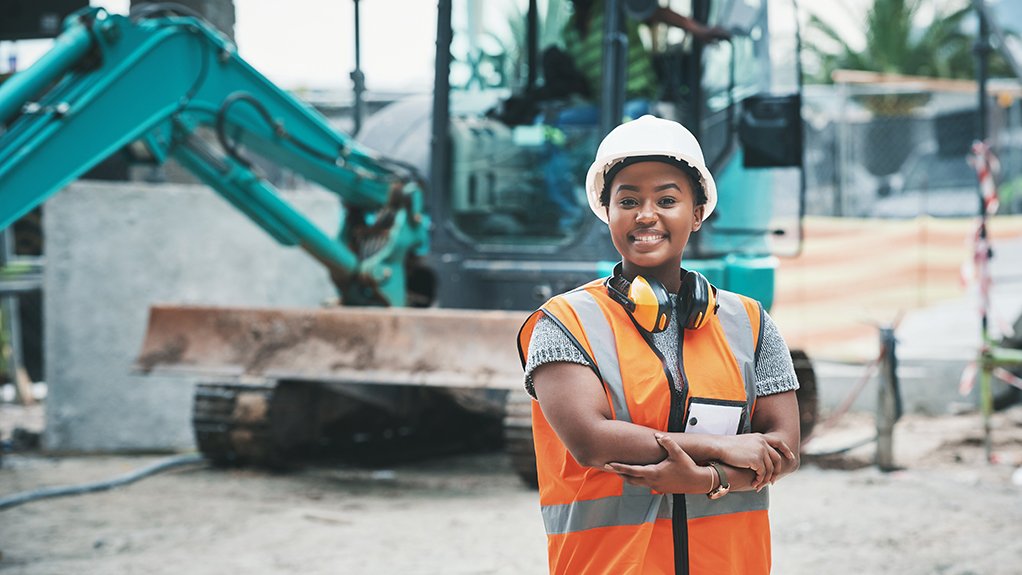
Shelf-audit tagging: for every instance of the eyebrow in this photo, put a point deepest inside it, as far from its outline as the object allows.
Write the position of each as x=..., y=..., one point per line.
x=631, y=188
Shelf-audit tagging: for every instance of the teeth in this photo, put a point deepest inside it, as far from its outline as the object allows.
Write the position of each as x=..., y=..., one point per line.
x=648, y=238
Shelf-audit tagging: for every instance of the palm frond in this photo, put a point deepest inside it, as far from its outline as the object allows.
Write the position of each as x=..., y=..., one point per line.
x=898, y=40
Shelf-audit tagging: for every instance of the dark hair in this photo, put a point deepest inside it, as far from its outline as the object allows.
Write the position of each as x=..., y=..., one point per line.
x=694, y=177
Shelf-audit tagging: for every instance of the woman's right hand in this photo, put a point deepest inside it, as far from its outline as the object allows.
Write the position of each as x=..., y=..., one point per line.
x=756, y=451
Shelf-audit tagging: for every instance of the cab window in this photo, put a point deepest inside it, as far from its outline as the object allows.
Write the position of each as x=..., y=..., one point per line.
x=518, y=155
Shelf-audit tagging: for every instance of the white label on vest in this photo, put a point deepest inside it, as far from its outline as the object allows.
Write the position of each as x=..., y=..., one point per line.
x=711, y=419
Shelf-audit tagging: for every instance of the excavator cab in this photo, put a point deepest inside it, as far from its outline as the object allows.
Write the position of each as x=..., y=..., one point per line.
x=515, y=122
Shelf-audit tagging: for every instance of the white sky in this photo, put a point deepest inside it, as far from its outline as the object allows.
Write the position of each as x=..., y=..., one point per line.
x=297, y=51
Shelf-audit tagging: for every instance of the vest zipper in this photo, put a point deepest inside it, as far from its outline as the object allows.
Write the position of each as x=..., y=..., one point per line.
x=679, y=518
x=675, y=422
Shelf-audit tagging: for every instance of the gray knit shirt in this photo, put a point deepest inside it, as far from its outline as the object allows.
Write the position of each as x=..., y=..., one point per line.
x=775, y=372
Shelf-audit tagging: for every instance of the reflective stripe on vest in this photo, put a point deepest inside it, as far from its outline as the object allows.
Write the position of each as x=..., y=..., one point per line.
x=739, y=333
x=636, y=505
x=735, y=502
x=601, y=338
x=738, y=330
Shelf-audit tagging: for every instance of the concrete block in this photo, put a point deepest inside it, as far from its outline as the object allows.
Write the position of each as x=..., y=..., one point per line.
x=113, y=249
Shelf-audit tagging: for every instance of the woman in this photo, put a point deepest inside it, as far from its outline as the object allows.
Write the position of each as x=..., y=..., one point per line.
x=664, y=406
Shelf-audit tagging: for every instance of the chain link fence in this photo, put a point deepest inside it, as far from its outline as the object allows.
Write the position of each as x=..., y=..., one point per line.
x=898, y=150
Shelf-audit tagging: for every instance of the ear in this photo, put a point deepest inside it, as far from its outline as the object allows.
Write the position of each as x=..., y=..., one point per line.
x=698, y=215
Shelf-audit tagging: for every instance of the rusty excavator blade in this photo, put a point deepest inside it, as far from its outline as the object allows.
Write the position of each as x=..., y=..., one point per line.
x=279, y=382
x=395, y=346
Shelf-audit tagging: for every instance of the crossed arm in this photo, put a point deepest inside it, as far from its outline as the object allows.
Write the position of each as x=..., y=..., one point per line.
x=573, y=400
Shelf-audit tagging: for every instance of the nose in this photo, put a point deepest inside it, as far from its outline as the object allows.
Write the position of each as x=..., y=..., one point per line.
x=646, y=214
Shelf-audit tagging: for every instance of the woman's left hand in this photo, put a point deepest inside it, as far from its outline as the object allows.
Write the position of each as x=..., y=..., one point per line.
x=678, y=473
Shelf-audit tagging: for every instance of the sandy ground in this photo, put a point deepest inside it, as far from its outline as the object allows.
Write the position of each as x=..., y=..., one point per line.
x=945, y=512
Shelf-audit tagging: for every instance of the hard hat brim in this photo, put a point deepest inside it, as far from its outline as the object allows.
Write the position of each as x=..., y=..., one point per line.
x=597, y=171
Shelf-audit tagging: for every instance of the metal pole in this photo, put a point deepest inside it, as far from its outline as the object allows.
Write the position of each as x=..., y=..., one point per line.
x=800, y=76
x=357, y=77
x=615, y=74
x=888, y=408
x=532, y=40
x=842, y=154
x=982, y=50
x=439, y=147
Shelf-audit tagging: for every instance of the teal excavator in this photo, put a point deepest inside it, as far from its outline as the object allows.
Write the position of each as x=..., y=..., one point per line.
x=110, y=81
x=438, y=255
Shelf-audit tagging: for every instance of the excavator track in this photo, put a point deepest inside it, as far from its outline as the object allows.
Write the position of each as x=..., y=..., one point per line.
x=289, y=423
x=232, y=424
x=518, y=441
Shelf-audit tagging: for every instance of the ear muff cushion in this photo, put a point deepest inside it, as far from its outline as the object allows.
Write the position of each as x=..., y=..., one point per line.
x=697, y=301
x=652, y=304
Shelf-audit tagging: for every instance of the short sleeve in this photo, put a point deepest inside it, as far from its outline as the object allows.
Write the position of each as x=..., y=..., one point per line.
x=775, y=373
x=549, y=344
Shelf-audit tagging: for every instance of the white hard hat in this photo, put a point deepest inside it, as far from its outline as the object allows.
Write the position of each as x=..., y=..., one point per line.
x=647, y=136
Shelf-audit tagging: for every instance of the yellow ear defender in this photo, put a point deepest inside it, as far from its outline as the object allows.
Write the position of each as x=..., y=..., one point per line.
x=647, y=301
x=651, y=307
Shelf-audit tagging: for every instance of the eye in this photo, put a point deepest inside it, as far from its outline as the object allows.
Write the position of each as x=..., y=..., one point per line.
x=627, y=202
x=667, y=201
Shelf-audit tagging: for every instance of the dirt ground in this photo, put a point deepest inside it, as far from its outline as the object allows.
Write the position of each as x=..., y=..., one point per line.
x=946, y=512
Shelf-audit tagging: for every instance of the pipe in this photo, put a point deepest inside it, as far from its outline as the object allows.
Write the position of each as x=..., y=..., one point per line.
x=69, y=49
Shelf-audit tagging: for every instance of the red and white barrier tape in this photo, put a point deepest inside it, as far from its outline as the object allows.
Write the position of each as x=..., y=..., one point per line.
x=987, y=168
x=968, y=380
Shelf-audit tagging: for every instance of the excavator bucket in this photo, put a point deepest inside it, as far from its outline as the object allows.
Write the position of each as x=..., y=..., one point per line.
x=393, y=346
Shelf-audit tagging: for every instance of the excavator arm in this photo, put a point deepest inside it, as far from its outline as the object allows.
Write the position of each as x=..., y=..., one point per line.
x=170, y=82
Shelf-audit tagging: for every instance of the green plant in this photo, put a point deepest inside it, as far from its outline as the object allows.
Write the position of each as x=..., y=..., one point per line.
x=912, y=37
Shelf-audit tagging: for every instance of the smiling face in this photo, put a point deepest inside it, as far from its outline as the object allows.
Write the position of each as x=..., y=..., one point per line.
x=652, y=212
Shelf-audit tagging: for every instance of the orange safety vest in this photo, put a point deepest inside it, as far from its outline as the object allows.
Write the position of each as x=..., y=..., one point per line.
x=597, y=523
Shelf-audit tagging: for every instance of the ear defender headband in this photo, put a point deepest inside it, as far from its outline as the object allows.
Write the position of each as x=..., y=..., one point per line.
x=647, y=302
